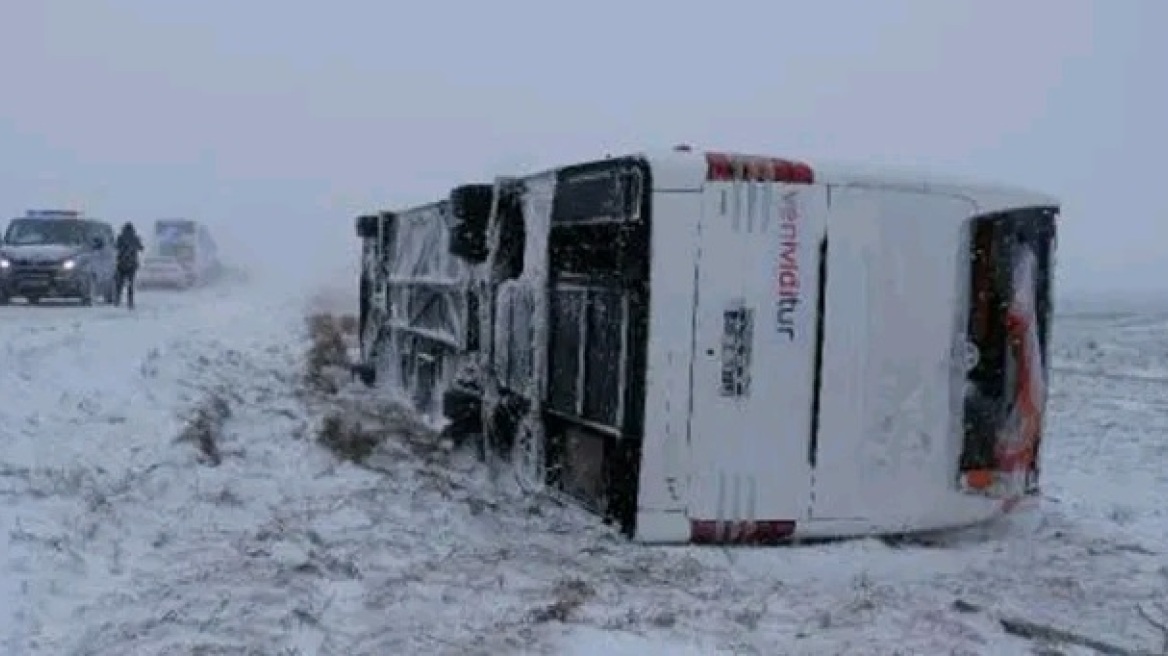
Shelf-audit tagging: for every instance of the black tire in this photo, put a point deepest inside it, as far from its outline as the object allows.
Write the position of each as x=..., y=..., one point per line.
x=470, y=206
x=367, y=226
x=502, y=428
x=90, y=291
x=366, y=373
x=463, y=408
x=363, y=302
x=33, y=300
x=4, y=300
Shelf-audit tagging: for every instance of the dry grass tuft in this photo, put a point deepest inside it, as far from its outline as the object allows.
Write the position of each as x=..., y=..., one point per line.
x=347, y=324
x=204, y=428
x=328, y=357
x=347, y=438
x=570, y=596
x=355, y=425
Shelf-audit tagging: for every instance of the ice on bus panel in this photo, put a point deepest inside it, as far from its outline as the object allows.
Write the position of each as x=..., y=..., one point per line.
x=724, y=348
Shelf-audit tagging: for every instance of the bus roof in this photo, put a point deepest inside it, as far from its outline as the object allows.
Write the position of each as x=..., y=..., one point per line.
x=685, y=169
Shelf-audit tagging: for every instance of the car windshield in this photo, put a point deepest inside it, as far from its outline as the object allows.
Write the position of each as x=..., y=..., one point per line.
x=29, y=232
x=175, y=238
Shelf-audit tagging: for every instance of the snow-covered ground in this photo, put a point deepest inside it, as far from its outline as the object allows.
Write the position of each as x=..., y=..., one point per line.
x=119, y=541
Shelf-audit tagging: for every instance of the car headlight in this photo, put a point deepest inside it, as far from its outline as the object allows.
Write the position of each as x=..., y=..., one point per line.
x=68, y=265
x=4, y=264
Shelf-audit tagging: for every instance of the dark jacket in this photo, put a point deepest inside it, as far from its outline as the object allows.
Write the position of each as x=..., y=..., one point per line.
x=128, y=245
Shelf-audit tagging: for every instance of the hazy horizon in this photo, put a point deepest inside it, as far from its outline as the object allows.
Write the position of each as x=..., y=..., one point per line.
x=289, y=119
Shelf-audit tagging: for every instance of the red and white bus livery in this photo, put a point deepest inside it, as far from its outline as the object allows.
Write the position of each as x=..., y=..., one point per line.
x=722, y=348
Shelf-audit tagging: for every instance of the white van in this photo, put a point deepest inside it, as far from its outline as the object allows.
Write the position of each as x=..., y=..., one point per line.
x=180, y=253
x=720, y=348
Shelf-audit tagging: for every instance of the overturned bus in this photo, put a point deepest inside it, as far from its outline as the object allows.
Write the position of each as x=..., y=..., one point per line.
x=719, y=348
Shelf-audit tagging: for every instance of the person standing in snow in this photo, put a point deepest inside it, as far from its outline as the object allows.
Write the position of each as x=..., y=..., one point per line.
x=129, y=245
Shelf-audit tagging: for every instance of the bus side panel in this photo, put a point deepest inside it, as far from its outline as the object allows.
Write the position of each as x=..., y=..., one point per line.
x=665, y=450
x=754, y=353
x=890, y=391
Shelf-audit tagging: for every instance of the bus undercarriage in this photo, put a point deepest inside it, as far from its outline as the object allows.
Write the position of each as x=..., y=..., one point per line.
x=519, y=311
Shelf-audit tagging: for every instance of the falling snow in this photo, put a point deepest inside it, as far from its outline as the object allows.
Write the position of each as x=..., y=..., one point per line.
x=119, y=540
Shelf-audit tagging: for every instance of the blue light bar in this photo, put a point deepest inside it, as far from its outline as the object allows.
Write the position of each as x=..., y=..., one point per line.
x=52, y=214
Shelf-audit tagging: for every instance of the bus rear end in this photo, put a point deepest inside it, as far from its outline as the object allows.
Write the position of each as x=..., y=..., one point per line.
x=832, y=388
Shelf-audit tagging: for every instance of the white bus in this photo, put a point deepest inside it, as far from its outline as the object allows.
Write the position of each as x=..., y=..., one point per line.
x=720, y=348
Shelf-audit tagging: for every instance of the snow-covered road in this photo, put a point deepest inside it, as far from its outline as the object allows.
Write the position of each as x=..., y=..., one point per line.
x=104, y=514
x=118, y=541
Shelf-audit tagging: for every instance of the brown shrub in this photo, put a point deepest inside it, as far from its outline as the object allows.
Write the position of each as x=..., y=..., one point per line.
x=347, y=439
x=347, y=323
x=204, y=428
x=570, y=595
x=327, y=353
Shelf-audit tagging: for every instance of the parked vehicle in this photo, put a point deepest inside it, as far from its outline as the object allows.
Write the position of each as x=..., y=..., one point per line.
x=181, y=254
x=721, y=348
x=57, y=254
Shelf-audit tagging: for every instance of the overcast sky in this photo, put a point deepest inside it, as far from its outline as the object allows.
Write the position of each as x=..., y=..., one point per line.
x=286, y=117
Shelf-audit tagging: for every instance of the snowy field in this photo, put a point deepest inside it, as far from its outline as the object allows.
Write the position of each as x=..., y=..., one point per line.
x=121, y=540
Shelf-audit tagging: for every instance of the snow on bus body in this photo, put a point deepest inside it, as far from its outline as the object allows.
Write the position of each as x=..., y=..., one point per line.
x=726, y=348
x=413, y=313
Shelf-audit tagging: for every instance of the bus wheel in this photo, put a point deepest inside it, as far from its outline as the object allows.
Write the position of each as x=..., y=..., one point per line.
x=529, y=452
x=502, y=425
